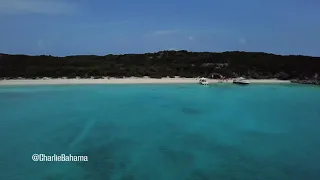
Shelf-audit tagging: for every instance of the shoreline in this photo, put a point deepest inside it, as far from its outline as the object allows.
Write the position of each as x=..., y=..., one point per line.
x=61, y=81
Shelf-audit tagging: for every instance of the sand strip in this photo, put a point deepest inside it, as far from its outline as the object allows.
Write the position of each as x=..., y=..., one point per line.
x=122, y=81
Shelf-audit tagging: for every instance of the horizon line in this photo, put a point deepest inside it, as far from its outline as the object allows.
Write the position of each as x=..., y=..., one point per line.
x=168, y=50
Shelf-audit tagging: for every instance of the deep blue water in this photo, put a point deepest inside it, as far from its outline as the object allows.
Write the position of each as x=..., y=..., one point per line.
x=161, y=132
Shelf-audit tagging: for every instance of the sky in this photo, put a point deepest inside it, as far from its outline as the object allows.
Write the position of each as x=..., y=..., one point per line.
x=100, y=27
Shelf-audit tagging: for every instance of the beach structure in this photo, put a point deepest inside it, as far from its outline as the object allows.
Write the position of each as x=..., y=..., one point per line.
x=218, y=76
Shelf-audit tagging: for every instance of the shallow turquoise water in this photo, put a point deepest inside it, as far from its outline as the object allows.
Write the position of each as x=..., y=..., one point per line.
x=161, y=132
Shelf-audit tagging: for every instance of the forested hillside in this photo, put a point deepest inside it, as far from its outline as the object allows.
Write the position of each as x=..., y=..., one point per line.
x=162, y=64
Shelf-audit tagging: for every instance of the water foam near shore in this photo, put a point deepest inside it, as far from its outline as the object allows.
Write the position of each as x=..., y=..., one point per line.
x=161, y=131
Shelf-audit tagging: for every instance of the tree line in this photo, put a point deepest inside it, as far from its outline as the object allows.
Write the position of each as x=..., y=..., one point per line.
x=254, y=65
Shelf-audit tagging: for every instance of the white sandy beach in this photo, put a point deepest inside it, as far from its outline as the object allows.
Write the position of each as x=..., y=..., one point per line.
x=122, y=81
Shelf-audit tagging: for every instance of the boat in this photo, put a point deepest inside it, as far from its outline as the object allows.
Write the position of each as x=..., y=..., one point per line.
x=241, y=80
x=203, y=81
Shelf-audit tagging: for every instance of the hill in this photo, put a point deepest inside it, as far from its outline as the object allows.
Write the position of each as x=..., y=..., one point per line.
x=162, y=64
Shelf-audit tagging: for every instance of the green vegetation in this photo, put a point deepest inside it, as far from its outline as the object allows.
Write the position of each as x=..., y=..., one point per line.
x=162, y=64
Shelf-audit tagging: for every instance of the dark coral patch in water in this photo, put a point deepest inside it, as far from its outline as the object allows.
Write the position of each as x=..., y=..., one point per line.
x=165, y=105
x=128, y=177
x=107, y=160
x=177, y=157
x=189, y=110
x=198, y=175
x=197, y=141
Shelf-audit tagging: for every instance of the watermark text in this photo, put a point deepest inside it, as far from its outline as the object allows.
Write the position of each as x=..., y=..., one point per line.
x=58, y=158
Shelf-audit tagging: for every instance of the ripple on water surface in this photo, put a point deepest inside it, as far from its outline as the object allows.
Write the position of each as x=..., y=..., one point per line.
x=161, y=132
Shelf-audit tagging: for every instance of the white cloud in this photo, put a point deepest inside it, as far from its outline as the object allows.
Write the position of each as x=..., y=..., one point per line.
x=242, y=40
x=191, y=38
x=164, y=32
x=36, y=6
x=105, y=24
x=173, y=49
x=40, y=44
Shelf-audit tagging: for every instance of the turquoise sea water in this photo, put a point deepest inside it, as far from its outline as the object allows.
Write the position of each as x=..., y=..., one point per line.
x=161, y=132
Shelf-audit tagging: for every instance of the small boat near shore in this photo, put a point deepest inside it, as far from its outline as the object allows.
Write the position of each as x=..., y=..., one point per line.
x=241, y=80
x=203, y=81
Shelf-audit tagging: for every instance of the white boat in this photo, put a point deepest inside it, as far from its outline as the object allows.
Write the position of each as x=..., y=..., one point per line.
x=241, y=80
x=203, y=81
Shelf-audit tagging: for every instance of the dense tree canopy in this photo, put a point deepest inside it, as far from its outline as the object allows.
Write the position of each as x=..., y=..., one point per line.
x=162, y=64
